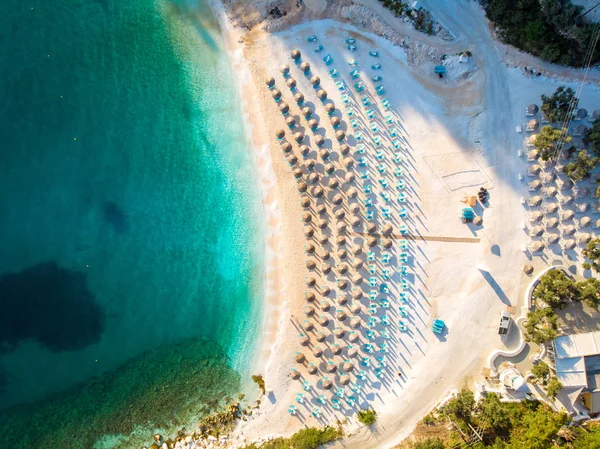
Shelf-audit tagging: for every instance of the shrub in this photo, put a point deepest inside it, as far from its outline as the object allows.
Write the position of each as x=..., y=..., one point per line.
x=309, y=438
x=541, y=371
x=581, y=167
x=367, y=417
x=554, y=386
x=592, y=252
x=541, y=325
x=461, y=407
x=556, y=289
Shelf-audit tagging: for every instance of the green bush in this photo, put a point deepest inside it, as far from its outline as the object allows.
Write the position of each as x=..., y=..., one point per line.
x=309, y=438
x=554, y=386
x=367, y=417
x=541, y=370
x=258, y=379
x=541, y=325
x=556, y=289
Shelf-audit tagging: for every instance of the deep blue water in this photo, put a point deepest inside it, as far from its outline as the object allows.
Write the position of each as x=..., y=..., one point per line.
x=127, y=218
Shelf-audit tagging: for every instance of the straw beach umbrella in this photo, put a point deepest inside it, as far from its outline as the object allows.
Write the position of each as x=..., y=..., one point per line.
x=567, y=199
x=569, y=244
x=343, y=268
x=342, y=254
x=315, y=81
x=292, y=159
x=323, y=321
x=535, y=200
x=537, y=231
x=585, y=237
x=286, y=147
x=348, y=162
x=322, y=223
x=344, y=380
x=568, y=215
x=551, y=208
x=355, y=323
x=321, y=337
x=294, y=374
x=536, y=216
x=320, y=141
x=308, y=326
x=305, y=67
x=311, y=281
x=299, y=137
x=310, y=248
x=342, y=300
x=306, y=217
x=350, y=177
x=308, y=231
x=355, y=308
x=341, y=240
x=535, y=185
x=326, y=255
x=335, y=122
x=327, y=384
x=341, y=227
x=310, y=165
x=322, y=94
x=331, y=368
x=340, y=135
x=357, y=263
x=342, y=284
x=309, y=311
x=552, y=239
x=371, y=228
x=387, y=229
x=290, y=122
x=285, y=69
x=337, y=350
x=352, y=351
x=348, y=366
x=352, y=192
x=313, y=178
x=304, y=150
x=312, y=368
x=324, y=154
x=276, y=94
x=299, y=98
x=356, y=249
x=270, y=81
x=296, y=54
x=337, y=199
x=371, y=241
x=386, y=243
x=311, y=264
x=298, y=173
x=313, y=123
x=357, y=294
x=318, y=192
x=570, y=230
x=306, y=112
x=585, y=222
x=344, y=148
x=318, y=352
x=330, y=108
x=329, y=168
x=291, y=83
x=355, y=222
x=326, y=268
x=283, y=107
x=537, y=247
x=583, y=207
x=280, y=133
x=552, y=223
x=309, y=296
x=325, y=290
x=300, y=357
x=528, y=269
x=339, y=214
x=334, y=184
x=304, y=340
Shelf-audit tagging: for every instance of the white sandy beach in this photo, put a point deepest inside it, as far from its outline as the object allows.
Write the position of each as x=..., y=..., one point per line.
x=457, y=135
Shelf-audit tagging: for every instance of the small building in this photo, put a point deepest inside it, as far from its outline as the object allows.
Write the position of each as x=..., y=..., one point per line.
x=595, y=115
x=579, y=131
x=577, y=358
x=581, y=114
x=532, y=125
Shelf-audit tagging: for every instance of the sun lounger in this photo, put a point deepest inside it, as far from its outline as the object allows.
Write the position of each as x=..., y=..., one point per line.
x=376, y=66
x=374, y=53
x=318, y=48
x=376, y=78
x=350, y=40
x=334, y=73
x=351, y=47
x=328, y=60
x=402, y=197
x=354, y=74
x=312, y=38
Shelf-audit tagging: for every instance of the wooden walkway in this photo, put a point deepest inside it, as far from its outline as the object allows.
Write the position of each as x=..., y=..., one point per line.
x=426, y=238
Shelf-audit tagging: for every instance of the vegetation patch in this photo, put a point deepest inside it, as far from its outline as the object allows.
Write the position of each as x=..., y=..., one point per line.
x=549, y=29
x=258, y=379
x=309, y=438
x=367, y=417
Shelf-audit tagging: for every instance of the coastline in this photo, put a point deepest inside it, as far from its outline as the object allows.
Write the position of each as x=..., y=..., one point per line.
x=273, y=308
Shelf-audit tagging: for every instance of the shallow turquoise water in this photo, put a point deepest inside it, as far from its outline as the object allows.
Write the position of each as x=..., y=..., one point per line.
x=128, y=218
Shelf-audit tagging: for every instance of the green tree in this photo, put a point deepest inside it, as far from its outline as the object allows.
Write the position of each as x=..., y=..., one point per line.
x=494, y=413
x=537, y=429
x=546, y=139
x=428, y=443
x=592, y=137
x=589, y=291
x=588, y=440
x=556, y=106
x=541, y=325
x=553, y=387
x=541, y=371
x=462, y=406
x=592, y=253
x=581, y=167
x=367, y=417
x=555, y=289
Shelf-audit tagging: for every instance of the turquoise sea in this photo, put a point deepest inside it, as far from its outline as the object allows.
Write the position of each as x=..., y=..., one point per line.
x=131, y=248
